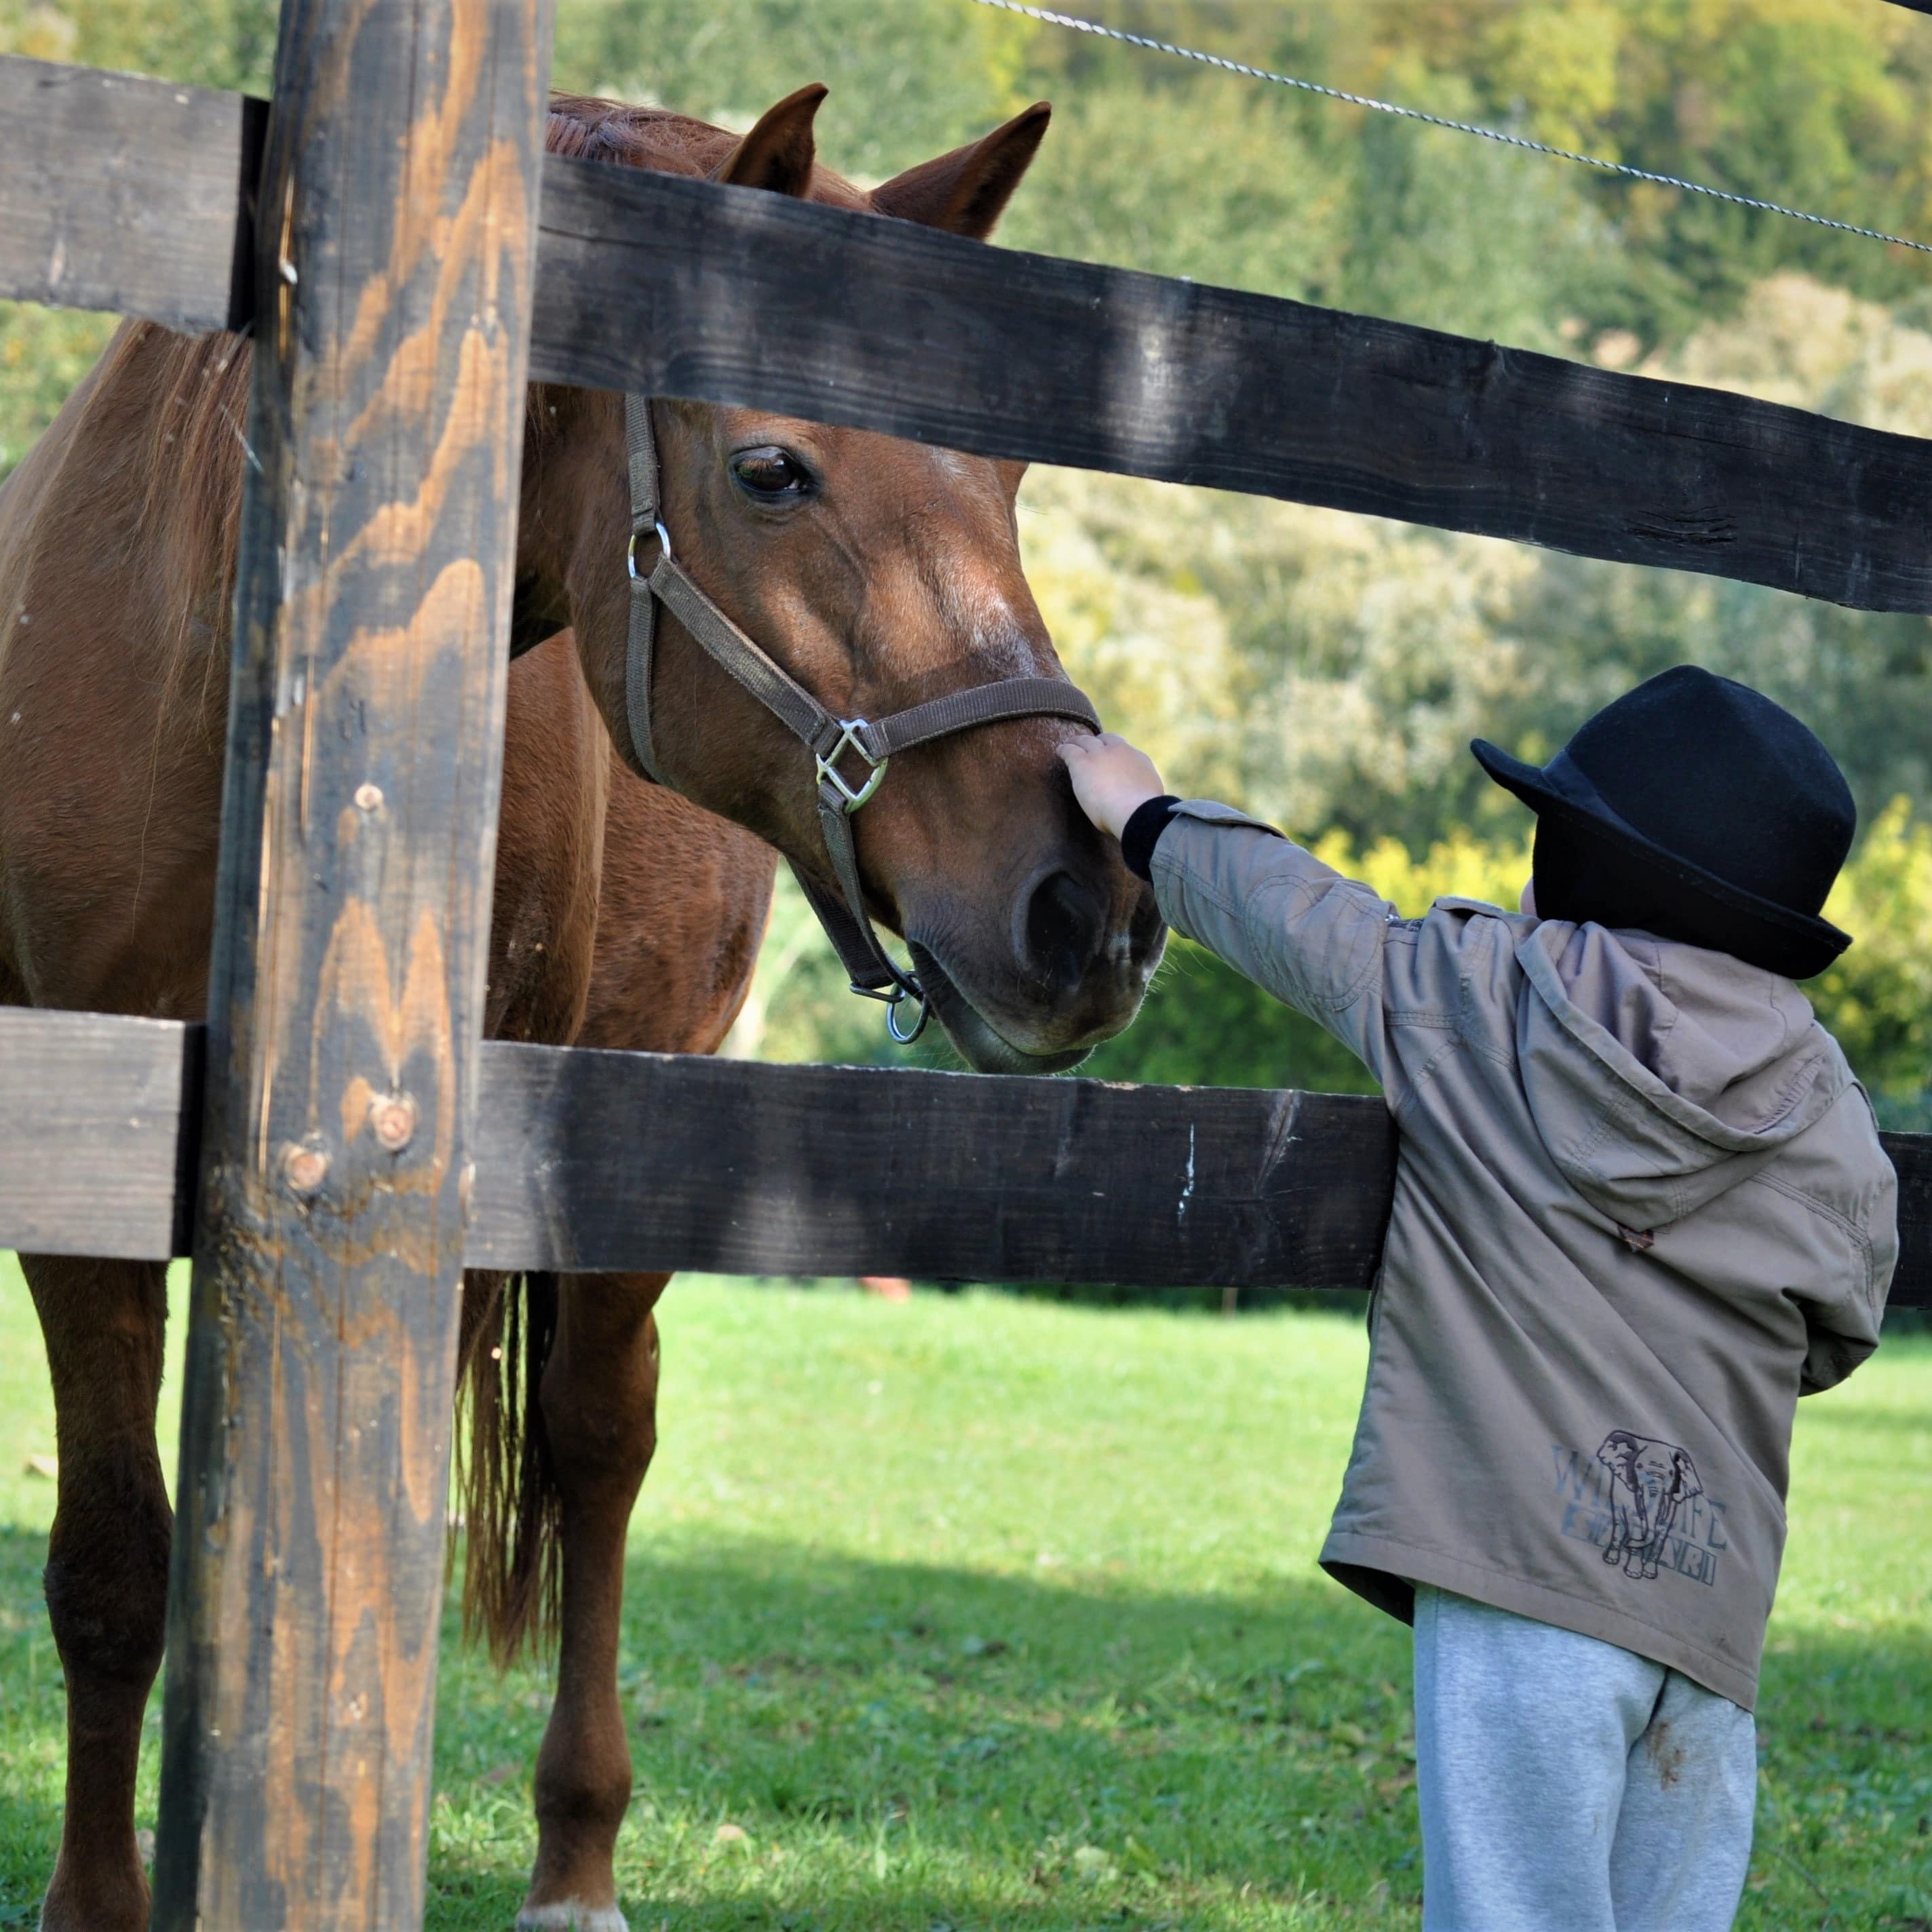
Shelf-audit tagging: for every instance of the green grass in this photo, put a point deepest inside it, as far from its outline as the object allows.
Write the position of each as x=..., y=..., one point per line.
x=979, y=1612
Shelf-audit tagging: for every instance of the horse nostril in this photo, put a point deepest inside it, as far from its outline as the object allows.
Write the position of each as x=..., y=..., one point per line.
x=1063, y=926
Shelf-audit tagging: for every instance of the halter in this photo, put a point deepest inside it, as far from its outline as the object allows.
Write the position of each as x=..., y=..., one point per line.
x=834, y=742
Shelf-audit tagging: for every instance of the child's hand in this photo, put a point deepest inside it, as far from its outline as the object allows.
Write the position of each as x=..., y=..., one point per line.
x=1111, y=777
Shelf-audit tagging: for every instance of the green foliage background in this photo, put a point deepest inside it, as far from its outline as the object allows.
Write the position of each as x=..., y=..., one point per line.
x=1328, y=671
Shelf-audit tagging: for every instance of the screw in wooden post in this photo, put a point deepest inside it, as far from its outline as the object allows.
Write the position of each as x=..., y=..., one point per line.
x=305, y=1168
x=392, y=1118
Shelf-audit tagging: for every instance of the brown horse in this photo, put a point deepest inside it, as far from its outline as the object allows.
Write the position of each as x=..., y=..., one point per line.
x=880, y=573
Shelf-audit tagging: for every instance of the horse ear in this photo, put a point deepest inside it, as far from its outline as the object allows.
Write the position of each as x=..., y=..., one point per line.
x=966, y=192
x=777, y=154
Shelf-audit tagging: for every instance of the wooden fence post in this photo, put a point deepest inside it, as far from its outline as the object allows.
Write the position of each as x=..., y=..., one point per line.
x=396, y=229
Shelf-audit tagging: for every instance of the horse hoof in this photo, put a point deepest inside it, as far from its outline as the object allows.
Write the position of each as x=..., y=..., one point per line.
x=569, y=1916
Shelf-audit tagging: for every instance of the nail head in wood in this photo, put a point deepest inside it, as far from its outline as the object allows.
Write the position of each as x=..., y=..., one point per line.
x=306, y=1167
x=393, y=1116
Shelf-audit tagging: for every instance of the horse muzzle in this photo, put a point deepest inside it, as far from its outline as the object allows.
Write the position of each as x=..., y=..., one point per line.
x=1073, y=977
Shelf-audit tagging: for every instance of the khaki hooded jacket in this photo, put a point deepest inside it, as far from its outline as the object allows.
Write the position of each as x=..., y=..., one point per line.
x=1640, y=1208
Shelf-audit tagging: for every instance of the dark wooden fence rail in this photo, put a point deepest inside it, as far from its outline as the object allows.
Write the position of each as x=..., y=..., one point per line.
x=682, y=288
x=790, y=1170
x=128, y=194
x=678, y=287
x=851, y=1170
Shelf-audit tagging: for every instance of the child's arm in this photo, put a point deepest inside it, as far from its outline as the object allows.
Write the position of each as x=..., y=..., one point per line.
x=1843, y=1317
x=1272, y=911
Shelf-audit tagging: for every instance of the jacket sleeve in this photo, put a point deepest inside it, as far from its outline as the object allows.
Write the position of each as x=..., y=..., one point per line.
x=1841, y=1330
x=1278, y=916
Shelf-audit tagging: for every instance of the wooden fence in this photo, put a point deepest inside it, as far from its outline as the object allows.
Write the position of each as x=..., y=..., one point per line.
x=337, y=1142
x=785, y=1170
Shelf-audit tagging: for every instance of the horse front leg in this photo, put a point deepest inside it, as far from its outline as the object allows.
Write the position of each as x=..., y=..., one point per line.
x=599, y=1404
x=106, y=1578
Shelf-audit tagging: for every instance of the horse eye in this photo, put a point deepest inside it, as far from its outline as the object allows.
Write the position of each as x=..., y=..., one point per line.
x=772, y=474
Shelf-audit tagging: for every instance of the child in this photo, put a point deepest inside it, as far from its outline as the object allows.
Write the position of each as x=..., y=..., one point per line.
x=1640, y=1208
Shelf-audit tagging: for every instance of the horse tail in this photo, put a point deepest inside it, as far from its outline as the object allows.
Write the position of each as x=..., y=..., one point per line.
x=512, y=1508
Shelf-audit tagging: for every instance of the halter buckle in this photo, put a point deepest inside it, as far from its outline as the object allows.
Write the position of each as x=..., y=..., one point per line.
x=850, y=797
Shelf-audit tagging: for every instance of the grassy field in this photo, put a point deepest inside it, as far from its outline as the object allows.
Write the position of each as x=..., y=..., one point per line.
x=975, y=1612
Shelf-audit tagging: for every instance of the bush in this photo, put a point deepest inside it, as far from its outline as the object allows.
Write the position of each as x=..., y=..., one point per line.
x=1878, y=998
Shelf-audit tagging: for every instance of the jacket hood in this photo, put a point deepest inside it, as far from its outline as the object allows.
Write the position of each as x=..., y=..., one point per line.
x=1661, y=1075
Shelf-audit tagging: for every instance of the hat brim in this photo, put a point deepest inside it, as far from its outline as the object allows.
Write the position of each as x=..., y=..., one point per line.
x=1757, y=929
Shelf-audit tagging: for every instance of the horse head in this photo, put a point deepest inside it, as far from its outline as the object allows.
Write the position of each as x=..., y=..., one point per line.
x=879, y=574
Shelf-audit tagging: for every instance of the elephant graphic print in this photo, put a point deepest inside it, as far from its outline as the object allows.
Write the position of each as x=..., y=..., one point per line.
x=1641, y=1501
x=1650, y=1482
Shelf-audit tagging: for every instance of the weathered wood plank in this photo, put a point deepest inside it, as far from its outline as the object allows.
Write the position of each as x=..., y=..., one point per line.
x=1912, y=1156
x=123, y=193
x=795, y=1170
x=843, y=1170
x=91, y=1139
x=685, y=288
x=352, y=906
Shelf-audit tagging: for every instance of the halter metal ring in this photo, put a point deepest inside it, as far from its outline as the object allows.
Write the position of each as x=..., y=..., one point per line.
x=851, y=797
x=891, y=997
x=663, y=536
x=918, y=1025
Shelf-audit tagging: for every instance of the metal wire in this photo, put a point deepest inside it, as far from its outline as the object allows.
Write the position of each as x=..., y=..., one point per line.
x=1628, y=173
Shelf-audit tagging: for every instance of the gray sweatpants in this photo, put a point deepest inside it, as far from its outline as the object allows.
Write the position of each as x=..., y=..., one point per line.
x=1568, y=1786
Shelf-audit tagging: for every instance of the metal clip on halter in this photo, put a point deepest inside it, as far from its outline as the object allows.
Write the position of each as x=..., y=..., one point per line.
x=897, y=991
x=892, y=996
x=896, y=998
x=849, y=740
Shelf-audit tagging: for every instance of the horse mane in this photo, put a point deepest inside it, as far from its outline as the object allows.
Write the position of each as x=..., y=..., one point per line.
x=163, y=418
x=588, y=129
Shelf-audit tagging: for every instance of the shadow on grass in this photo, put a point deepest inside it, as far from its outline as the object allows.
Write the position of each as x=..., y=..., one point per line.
x=911, y=1746
x=27, y=1835
x=906, y=1746
x=32, y=1713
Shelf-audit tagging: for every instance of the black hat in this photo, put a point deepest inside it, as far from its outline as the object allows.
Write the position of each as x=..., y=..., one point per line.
x=1737, y=816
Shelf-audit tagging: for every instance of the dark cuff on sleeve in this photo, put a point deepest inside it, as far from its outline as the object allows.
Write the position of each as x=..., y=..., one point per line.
x=1141, y=833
